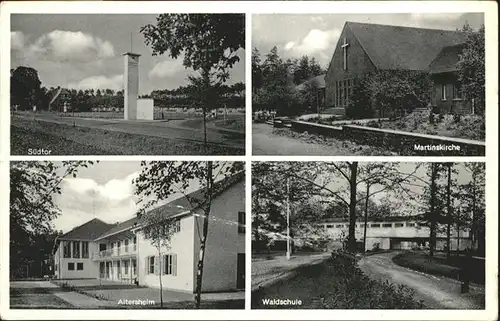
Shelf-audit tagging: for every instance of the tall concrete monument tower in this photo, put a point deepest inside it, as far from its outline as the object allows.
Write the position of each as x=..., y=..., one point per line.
x=131, y=84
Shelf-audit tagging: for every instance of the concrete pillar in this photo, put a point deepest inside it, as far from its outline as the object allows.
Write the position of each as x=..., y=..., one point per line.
x=131, y=85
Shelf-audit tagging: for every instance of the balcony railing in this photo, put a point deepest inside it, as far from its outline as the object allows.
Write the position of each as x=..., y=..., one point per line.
x=115, y=252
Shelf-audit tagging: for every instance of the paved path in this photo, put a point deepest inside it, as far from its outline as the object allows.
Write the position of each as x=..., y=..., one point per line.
x=185, y=130
x=264, y=142
x=266, y=272
x=437, y=292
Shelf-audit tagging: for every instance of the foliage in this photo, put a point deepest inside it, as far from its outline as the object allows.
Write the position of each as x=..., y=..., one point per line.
x=305, y=68
x=309, y=96
x=274, y=81
x=390, y=93
x=25, y=87
x=33, y=186
x=469, y=127
x=27, y=91
x=231, y=96
x=441, y=266
x=206, y=41
x=360, y=105
x=338, y=283
x=471, y=67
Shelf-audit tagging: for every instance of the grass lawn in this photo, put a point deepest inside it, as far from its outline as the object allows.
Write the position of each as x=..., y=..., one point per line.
x=440, y=265
x=336, y=283
x=345, y=147
x=35, y=298
x=68, y=140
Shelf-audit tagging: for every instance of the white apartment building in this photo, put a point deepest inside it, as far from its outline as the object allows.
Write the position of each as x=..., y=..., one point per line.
x=121, y=253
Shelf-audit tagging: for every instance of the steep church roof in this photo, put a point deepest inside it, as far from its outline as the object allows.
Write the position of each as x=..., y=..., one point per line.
x=87, y=231
x=408, y=48
x=447, y=59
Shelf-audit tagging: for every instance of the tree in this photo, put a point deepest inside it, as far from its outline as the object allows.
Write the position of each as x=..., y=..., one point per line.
x=471, y=68
x=277, y=90
x=33, y=185
x=257, y=80
x=311, y=178
x=390, y=93
x=161, y=179
x=310, y=95
x=25, y=87
x=209, y=43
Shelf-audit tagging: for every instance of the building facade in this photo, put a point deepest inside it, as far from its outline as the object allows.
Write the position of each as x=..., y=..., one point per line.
x=447, y=95
x=397, y=233
x=364, y=48
x=121, y=252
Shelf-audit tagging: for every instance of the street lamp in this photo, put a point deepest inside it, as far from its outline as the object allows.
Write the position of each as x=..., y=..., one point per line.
x=288, y=218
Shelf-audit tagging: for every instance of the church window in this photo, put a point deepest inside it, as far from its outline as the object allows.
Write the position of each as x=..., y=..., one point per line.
x=443, y=91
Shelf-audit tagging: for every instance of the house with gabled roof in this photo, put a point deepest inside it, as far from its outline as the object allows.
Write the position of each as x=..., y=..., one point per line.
x=365, y=47
x=121, y=253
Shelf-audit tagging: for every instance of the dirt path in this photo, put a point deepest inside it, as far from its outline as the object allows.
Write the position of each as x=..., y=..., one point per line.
x=437, y=292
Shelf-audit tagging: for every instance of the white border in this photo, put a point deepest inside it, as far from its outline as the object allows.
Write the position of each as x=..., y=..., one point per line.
x=489, y=8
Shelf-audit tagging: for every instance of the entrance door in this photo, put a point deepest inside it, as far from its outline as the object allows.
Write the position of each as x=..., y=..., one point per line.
x=240, y=271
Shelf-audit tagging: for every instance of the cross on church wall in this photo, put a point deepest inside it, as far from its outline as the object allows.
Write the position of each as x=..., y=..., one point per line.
x=344, y=48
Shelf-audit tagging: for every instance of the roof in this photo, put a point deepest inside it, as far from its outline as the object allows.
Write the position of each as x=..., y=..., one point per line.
x=319, y=80
x=178, y=206
x=88, y=231
x=408, y=48
x=123, y=226
x=373, y=219
x=447, y=59
x=197, y=198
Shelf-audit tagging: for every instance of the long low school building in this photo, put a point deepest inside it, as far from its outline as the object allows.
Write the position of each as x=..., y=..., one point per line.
x=397, y=233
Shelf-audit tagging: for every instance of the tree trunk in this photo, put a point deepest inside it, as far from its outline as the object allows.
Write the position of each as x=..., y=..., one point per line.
x=199, y=272
x=159, y=277
x=473, y=223
x=448, y=212
x=432, y=218
x=366, y=215
x=206, y=83
x=351, y=245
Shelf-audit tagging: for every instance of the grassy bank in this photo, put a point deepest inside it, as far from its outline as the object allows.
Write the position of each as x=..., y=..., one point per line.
x=346, y=147
x=233, y=124
x=337, y=283
x=67, y=140
x=440, y=265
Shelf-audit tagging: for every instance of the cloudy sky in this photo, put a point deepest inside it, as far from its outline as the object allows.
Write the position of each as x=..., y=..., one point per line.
x=104, y=191
x=316, y=35
x=85, y=51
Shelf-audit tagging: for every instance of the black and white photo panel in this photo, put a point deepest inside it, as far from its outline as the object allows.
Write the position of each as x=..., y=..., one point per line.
x=367, y=235
x=103, y=235
x=368, y=84
x=127, y=84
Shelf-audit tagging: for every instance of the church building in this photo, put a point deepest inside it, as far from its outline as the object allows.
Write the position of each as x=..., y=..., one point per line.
x=363, y=48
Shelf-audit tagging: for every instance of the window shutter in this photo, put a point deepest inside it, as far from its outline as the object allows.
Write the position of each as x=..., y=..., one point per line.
x=174, y=264
x=157, y=265
x=146, y=266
